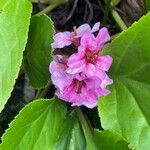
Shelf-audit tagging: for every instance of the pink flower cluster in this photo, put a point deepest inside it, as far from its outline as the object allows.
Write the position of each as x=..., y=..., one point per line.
x=82, y=77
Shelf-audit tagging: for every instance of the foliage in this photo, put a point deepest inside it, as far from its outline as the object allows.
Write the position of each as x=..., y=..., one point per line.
x=126, y=109
x=14, y=24
x=48, y=127
x=38, y=52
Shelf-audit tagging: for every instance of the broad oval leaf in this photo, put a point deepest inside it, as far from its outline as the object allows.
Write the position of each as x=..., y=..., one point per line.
x=44, y=124
x=38, y=53
x=127, y=109
x=109, y=140
x=14, y=23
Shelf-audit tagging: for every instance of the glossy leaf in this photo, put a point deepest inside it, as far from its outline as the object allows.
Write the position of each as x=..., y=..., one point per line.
x=109, y=140
x=38, y=53
x=44, y=124
x=14, y=24
x=126, y=109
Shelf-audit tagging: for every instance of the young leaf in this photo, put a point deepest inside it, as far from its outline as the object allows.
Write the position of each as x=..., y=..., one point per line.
x=44, y=124
x=109, y=140
x=38, y=52
x=127, y=109
x=14, y=23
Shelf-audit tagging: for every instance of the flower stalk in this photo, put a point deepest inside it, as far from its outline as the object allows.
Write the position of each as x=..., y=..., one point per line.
x=118, y=20
x=47, y=9
x=41, y=93
x=86, y=129
x=50, y=7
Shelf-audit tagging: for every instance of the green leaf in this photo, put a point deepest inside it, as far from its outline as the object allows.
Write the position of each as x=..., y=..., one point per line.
x=38, y=52
x=71, y=136
x=14, y=23
x=109, y=140
x=127, y=109
x=44, y=124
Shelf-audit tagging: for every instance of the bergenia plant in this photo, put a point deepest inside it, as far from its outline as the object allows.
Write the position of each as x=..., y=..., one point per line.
x=75, y=76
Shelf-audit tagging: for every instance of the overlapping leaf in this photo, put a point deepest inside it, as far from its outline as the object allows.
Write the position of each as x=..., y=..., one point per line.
x=126, y=109
x=14, y=23
x=38, y=52
x=109, y=140
x=44, y=124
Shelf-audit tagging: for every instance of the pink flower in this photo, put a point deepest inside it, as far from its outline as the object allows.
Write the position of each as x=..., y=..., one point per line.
x=81, y=78
x=78, y=89
x=58, y=75
x=63, y=39
x=87, y=59
x=84, y=92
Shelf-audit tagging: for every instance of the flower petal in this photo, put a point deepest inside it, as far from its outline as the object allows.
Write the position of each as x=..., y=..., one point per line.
x=106, y=81
x=93, y=82
x=95, y=27
x=90, y=70
x=90, y=98
x=58, y=75
x=58, y=64
x=76, y=63
x=104, y=62
x=93, y=71
x=88, y=41
x=81, y=30
x=62, y=39
x=61, y=80
x=102, y=37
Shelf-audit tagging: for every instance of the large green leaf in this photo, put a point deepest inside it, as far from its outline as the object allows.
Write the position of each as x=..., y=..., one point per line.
x=14, y=23
x=127, y=109
x=44, y=124
x=38, y=53
x=109, y=140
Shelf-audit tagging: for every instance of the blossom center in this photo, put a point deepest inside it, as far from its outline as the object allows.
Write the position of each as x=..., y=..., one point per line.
x=91, y=57
x=79, y=85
